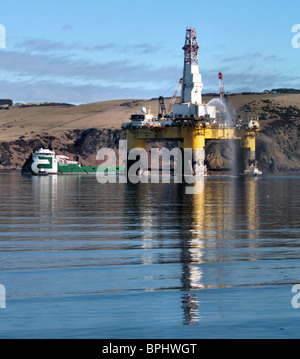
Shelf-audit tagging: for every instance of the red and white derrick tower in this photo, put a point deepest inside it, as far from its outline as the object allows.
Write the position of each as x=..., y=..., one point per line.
x=191, y=82
x=190, y=47
x=191, y=92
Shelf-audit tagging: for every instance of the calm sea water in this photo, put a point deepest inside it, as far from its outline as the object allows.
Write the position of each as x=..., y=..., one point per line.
x=80, y=259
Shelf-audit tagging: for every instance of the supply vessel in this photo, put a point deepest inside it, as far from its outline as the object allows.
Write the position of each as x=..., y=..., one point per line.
x=45, y=162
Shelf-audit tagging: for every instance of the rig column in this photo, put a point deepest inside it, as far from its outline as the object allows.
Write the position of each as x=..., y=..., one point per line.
x=133, y=142
x=248, y=150
x=198, y=152
x=193, y=139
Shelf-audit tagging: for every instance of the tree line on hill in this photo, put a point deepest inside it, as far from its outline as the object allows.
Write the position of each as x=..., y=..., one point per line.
x=273, y=91
x=283, y=91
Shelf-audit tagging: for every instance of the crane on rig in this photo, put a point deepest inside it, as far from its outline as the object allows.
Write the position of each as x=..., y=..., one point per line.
x=173, y=99
x=162, y=107
x=161, y=100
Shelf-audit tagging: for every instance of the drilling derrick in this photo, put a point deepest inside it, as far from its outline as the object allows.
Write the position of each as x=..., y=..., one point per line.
x=191, y=47
x=191, y=93
x=191, y=84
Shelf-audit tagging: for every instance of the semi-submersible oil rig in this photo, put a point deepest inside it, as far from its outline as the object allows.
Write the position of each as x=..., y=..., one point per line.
x=192, y=122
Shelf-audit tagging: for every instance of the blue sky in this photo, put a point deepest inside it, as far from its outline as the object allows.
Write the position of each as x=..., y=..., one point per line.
x=85, y=51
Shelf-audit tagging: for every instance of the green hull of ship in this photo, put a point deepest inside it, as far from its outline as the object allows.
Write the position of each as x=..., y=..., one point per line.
x=73, y=169
x=88, y=170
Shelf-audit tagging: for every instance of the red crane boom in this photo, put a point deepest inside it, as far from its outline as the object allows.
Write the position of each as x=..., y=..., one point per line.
x=221, y=86
x=175, y=95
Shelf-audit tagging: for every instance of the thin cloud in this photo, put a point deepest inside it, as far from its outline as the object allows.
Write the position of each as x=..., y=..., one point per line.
x=45, y=46
x=248, y=81
x=250, y=56
x=53, y=90
x=51, y=71
x=242, y=57
x=65, y=66
x=125, y=49
x=101, y=47
x=66, y=27
x=24, y=91
x=140, y=48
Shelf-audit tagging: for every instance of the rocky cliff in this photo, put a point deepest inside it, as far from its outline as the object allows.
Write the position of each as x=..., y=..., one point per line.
x=278, y=145
x=79, y=144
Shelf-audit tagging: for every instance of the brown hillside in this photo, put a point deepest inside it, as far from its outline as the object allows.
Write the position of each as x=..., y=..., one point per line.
x=74, y=129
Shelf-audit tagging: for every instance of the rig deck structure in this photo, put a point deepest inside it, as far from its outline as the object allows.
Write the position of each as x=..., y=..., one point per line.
x=192, y=122
x=194, y=136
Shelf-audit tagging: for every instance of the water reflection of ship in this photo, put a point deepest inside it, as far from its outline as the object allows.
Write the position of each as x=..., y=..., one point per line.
x=47, y=191
x=45, y=194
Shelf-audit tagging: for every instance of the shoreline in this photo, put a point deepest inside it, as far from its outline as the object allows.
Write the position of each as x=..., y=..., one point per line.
x=210, y=173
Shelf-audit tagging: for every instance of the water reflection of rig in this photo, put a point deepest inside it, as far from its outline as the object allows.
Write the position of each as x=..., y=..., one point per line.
x=192, y=122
